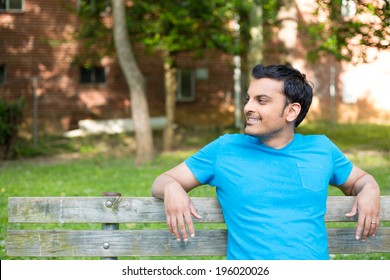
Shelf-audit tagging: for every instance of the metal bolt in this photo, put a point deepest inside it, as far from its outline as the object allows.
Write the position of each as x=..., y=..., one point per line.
x=108, y=204
x=106, y=245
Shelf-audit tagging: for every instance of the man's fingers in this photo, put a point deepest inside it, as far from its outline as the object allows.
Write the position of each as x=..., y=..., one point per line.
x=373, y=226
x=353, y=211
x=366, y=229
x=359, y=228
x=177, y=226
x=182, y=228
x=190, y=225
x=370, y=227
x=194, y=212
x=179, y=219
x=173, y=228
x=168, y=221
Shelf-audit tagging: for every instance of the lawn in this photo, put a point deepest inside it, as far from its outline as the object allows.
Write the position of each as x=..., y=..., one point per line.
x=93, y=165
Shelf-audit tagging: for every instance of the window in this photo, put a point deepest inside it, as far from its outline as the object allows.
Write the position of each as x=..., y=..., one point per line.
x=2, y=74
x=186, y=85
x=11, y=5
x=92, y=75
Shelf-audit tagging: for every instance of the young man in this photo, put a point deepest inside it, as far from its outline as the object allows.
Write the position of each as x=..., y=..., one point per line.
x=271, y=183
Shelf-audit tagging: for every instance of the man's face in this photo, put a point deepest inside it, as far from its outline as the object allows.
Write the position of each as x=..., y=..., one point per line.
x=265, y=109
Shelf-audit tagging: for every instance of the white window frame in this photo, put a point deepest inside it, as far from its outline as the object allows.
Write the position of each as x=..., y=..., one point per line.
x=179, y=95
x=7, y=9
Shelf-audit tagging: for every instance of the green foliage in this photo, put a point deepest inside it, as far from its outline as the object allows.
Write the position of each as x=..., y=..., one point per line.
x=176, y=26
x=270, y=10
x=347, y=36
x=94, y=33
x=11, y=116
x=171, y=26
x=46, y=146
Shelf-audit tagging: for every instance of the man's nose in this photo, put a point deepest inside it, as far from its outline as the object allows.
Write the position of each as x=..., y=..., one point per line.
x=248, y=107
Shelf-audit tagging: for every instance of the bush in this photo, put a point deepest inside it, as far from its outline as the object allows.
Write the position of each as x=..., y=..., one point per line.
x=11, y=116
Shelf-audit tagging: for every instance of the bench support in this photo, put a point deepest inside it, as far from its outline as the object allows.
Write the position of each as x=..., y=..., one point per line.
x=110, y=226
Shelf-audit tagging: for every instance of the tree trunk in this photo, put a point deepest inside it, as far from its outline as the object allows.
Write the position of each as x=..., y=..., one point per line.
x=136, y=84
x=170, y=101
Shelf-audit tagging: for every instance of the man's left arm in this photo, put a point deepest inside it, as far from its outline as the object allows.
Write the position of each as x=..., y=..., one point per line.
x=367, y=202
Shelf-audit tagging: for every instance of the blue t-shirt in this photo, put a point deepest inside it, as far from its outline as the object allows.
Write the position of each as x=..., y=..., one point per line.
x=273, y=200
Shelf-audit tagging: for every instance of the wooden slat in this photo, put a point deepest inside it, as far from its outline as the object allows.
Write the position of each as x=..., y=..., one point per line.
x=94, y=210
x=160, y=243
x=122, y=243
x=342, y=241
x=138, y=209
x=338, y=206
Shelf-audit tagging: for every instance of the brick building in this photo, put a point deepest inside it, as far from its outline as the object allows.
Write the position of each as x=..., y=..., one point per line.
x=37, y=56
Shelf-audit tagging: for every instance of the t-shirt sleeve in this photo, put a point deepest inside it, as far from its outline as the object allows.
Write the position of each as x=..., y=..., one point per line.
x=342, y=166
x=202, y=164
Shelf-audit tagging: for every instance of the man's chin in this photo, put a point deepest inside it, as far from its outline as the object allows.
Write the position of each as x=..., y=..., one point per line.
x=249, y=131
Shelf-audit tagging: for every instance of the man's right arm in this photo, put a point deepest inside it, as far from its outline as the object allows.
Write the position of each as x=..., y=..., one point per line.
x=172, y=186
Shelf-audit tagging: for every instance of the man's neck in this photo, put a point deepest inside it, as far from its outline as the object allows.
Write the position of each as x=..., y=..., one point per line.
x=278, y=141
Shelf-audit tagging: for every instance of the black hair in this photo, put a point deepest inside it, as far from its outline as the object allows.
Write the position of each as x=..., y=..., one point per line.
x=296, y=88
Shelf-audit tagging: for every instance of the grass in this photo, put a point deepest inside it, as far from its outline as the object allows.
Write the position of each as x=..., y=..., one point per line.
x=353, y=138
x=93, y=165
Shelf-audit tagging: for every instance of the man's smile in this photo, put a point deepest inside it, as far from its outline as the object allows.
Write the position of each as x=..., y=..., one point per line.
x=252, y=120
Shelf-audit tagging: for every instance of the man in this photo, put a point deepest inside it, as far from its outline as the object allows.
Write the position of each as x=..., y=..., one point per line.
x=271, y=183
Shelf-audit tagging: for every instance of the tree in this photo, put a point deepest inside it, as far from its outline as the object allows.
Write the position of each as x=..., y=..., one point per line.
x=100, y=40
x=168, y=27
x=136, y=83
x=175, y=26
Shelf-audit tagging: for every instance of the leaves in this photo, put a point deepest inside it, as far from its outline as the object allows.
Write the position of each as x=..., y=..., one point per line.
x=348, y=36
x=175, y=26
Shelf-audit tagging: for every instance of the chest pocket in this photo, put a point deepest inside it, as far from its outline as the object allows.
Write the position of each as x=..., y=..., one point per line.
x=312, y=176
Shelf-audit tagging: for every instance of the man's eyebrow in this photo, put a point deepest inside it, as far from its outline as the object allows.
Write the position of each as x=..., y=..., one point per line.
x=262, y=95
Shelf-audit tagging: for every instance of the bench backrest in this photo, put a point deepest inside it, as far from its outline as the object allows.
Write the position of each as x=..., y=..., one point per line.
x=147, y=241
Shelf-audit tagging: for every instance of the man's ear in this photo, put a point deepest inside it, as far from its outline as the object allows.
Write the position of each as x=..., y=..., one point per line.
x=293, y=111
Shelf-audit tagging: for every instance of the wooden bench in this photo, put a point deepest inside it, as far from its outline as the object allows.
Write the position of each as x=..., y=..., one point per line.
x=112, y=210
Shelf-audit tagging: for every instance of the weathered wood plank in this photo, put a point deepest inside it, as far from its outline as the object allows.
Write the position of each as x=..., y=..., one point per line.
x=138, y=209
x=338, y=206
x=94, y=210
x=342, y=241
x=160, y=243
x=121, y=243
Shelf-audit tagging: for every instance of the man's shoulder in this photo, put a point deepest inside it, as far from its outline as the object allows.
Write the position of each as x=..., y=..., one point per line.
x=312, y=138
x=310, y=142
x=237, y=138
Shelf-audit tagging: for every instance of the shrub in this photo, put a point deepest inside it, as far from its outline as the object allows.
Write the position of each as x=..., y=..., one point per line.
x=11, y=116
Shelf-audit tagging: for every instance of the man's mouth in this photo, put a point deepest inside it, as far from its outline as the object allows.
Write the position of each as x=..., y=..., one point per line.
x=252, y=120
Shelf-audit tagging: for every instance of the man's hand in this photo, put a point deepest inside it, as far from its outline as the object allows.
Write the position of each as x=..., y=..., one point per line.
x=173, y=186
x=179, y=210
x=366, y=205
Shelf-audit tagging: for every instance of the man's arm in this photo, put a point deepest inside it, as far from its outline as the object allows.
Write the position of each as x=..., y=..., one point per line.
x=367, y=202
x=173, y=186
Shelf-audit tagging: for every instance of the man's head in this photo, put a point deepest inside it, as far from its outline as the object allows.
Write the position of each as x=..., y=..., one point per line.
x=296, y=88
